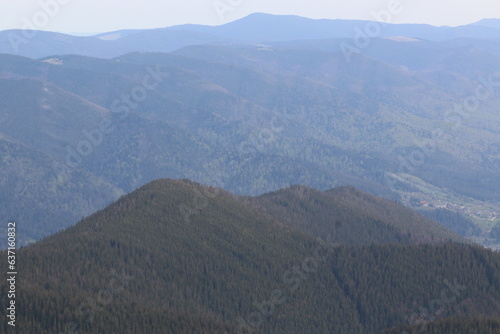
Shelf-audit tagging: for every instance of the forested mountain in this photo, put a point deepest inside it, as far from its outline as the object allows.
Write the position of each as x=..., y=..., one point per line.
x=250, y=119
x=453, y=220
x=275, y=174
x=33, y=190
x=179, y=257
x=349, y=216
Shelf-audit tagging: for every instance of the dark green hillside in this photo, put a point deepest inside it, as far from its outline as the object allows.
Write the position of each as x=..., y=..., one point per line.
x=453, y=220
x=178, y=257
x=349, y=216
x=214, y=264
x=400, y=284
x=452, y=326
x=394, y=214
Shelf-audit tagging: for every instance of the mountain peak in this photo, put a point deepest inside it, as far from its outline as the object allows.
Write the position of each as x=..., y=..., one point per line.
x=491, y=23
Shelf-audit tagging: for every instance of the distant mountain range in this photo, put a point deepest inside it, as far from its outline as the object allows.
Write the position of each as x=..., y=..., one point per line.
x=255, y=28
x=175, y=256
x=409, y=119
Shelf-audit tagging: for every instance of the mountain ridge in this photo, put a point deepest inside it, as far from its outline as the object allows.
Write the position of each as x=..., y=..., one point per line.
x=227, y=262
x=344, y=213
x=250, y=29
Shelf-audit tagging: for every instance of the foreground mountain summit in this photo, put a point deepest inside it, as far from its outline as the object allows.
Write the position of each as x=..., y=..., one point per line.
x=179, y=257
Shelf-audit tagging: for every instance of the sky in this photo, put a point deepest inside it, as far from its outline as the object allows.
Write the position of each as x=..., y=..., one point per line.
x=95, y=16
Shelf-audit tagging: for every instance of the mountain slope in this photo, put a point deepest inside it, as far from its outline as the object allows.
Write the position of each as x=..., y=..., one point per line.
x=39, y=189
x=348, y=216
x=140, y=258
x=452, y=326
x=254, y=120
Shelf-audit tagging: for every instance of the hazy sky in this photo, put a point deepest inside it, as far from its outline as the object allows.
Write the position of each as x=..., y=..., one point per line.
x=92, y=16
